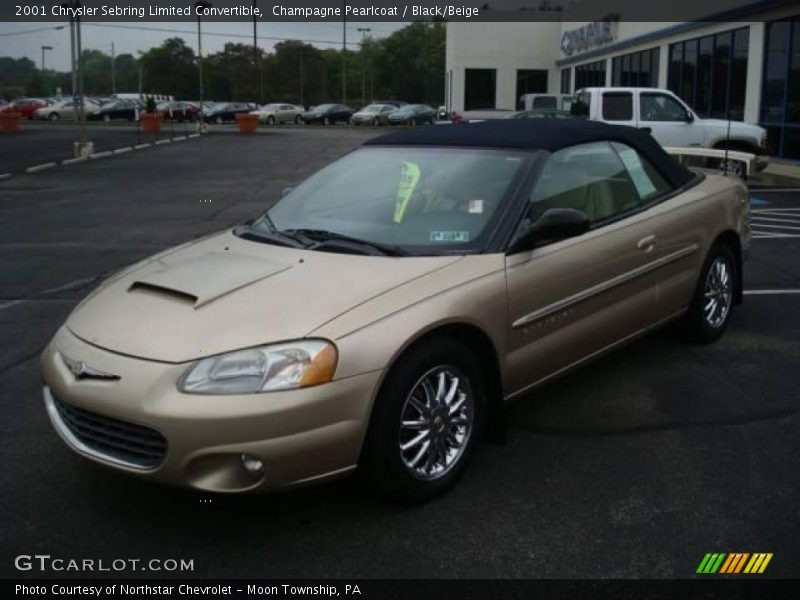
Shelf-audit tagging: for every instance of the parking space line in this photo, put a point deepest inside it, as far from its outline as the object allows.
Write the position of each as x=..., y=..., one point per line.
x=785, y=220
x=42, y=167
x=770, y=292
x=61, y=288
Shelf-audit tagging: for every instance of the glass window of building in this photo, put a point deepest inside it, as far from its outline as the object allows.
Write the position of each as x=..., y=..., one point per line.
x=639, y=69
x=531, y=81
x=590, y=75
x=710, y=73
x=566, y=83
x=780, y=90
x=480, y=88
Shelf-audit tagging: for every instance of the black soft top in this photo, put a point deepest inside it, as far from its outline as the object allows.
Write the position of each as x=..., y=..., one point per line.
x=539, y=134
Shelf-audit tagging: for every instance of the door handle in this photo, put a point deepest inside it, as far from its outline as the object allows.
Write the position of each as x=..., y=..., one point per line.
x=647, y=243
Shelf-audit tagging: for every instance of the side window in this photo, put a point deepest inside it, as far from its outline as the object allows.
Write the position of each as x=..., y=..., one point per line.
x=617, y=106
x=649, y=183
x=590, y=178
x=601, y=179
x=660, y=107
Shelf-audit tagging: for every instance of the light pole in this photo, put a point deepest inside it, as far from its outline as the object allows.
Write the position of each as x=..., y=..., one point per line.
x=344, y=54
x=113, y=70
x=43, y=51
x=82, y=147
x=256, y=65
x=364, y=31
x=200, y=5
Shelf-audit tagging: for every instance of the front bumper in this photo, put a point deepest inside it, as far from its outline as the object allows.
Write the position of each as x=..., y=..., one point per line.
x=299, y=435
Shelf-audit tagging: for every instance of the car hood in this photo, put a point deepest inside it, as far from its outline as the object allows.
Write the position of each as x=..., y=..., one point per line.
x=224, y=293
x=736, y=126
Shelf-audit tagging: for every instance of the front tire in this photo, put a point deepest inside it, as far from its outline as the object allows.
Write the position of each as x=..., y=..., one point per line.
x=710, y=309
x=270, y=120
x=54, y=116
x=426, y=422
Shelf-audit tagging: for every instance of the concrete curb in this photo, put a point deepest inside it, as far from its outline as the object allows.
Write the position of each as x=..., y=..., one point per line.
x=123, y=150
x=5, y=176
x=99, y=155
x=42, y=167
x=72, y=161
x=785, y=169
x=161, y=142
x=141, y=146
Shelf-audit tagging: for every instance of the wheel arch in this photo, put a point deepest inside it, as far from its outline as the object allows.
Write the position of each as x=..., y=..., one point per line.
x=731, y=239
x=473, y=337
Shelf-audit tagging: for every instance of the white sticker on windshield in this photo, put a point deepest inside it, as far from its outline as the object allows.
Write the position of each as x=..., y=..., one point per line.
x=635, y=167
x=449, y=236
x=475, y=207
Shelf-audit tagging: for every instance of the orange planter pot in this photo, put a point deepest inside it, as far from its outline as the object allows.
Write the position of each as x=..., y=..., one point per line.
x=151, y=122
x=247, y=123
x=9, y=122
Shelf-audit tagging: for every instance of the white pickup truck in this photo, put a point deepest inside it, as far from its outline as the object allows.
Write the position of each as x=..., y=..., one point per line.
x=670, y=121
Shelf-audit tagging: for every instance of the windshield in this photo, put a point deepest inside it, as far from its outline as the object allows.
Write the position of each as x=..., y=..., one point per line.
x=323, y=107
x=424, y=199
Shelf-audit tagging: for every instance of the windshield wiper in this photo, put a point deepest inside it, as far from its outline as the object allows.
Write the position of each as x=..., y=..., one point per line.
x=249, y=232
x=321, y=236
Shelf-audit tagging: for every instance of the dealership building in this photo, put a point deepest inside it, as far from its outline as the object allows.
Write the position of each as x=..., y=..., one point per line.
x=746, y=66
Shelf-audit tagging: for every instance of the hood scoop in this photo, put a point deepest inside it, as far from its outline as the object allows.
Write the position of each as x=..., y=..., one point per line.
x=163, y=291
x=205, y=278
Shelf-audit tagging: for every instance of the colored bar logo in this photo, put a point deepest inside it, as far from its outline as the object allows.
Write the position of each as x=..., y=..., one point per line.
x=734, y=563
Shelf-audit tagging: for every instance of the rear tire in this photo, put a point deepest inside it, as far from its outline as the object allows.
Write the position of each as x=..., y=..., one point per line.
x=710, y=309
x=425, y=423
x=54, y=116
x=298, y=120
x=270, y=120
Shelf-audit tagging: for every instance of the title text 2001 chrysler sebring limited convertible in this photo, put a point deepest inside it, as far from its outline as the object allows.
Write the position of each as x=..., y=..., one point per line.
x=380, y=312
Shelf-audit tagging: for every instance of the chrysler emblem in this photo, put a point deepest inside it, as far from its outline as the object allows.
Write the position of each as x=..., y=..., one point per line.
x=83, y=371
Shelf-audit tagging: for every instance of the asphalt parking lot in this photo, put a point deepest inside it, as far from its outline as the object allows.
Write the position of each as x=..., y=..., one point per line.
x=634, y=466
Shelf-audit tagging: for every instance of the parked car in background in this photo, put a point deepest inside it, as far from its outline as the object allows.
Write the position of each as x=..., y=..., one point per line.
x=542, y=113
x=178, y=110
x=412, y=114
x=65, y=109
x=546, y=101
x=27, y=107
x=395, y=103
x=279, y=112
x=227, y=111
x=380, y=314
x=116, y=110
x=328, y=114
x=373, y=114
x=671, y=121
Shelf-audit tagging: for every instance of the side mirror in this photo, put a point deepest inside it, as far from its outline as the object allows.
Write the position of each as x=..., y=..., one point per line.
x=554, y=225
x=689, y=117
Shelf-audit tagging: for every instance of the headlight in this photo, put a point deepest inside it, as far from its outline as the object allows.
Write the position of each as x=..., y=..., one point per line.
x=265, y=369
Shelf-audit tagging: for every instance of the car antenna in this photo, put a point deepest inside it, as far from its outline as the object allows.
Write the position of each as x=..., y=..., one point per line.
x=726, y=164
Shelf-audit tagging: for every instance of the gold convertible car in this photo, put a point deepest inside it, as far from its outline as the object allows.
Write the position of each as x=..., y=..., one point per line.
x=383, y=311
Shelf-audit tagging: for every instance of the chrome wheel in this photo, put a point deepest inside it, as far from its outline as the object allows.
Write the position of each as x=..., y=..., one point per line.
x=718, y=293
x=436, y=422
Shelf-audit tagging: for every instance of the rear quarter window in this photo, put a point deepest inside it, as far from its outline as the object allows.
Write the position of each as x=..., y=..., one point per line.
x=617, y=106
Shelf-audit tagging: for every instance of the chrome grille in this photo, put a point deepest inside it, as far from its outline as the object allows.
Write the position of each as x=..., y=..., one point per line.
x=117, y=440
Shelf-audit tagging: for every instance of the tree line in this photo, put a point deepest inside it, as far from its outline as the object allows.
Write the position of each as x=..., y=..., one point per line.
x=406, y=65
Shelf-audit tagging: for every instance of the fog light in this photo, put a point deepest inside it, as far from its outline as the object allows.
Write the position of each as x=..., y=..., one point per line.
x=254, y=466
